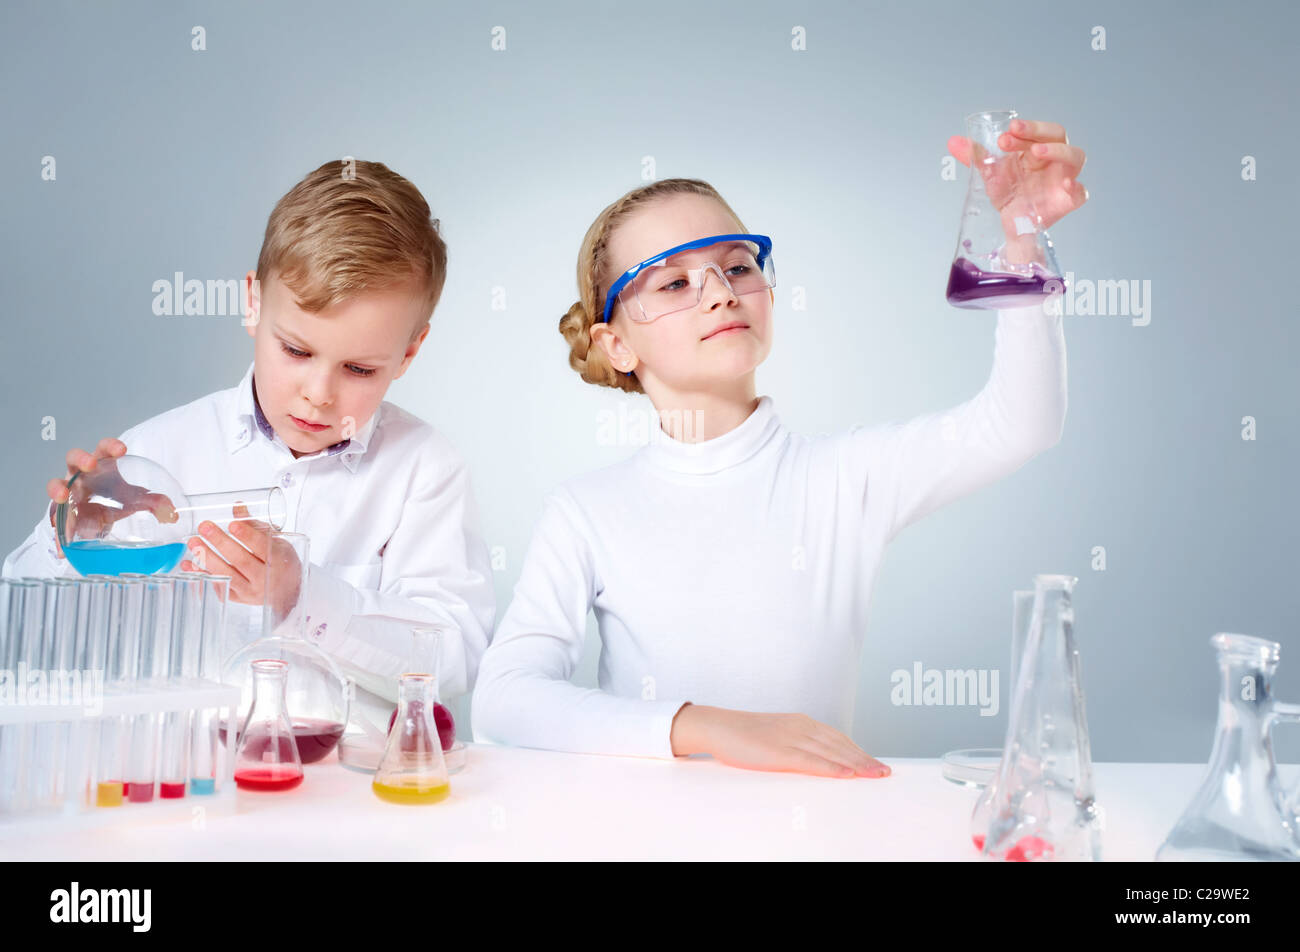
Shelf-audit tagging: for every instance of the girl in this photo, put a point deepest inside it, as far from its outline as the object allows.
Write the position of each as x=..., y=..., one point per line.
x=730, y=562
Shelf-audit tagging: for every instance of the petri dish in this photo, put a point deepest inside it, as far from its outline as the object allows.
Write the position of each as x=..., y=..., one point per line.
x=360, y=753
x=972, y=766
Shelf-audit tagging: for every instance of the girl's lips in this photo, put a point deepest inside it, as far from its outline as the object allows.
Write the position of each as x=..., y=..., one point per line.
x=309, y=427
x=725, y=328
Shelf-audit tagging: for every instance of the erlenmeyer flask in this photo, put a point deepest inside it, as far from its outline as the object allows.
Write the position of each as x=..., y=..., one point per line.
x=1042, y=805
x=319, y=695
x=1240, y=812
x=977, y=766
x=128, y=514
x=268, y=757
x=425, y=660
x=1004, y=256
x=412, y=769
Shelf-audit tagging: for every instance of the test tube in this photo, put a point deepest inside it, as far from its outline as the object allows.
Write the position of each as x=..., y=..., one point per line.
x=93, y=603
x=32, y=622
x=203, y=747
x=57, y=647
x=186, y=646
x=122, y=655
x=151, y=672
x=11, y=644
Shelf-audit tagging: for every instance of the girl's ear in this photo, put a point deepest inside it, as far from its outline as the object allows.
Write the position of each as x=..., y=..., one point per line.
x=616, y=350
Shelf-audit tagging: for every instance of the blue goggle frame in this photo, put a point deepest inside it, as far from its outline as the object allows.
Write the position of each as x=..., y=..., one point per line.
x=764, y=250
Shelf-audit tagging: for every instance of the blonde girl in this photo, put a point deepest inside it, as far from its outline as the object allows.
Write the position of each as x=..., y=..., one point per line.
x=730, y=562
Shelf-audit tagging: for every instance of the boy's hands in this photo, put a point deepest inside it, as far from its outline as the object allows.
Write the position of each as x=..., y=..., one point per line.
x=96, y=520
x=243, y=555
x=787, y=742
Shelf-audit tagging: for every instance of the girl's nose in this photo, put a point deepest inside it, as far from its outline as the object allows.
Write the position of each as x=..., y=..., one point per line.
x=715, y=292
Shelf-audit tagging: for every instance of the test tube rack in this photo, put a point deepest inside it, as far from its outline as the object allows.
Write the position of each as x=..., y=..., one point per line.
x=143, y=717
x=76, y=806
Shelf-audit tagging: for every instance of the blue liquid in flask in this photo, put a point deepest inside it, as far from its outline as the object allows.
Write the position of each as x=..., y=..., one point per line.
x=96, y=557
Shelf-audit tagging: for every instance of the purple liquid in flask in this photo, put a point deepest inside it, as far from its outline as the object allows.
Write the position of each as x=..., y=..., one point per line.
x=969, y=286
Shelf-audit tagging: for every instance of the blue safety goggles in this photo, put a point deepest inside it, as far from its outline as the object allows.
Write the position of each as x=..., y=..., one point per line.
x=765, y=277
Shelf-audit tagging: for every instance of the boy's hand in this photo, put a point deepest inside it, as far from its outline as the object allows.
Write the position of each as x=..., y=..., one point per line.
x=787, y=742
x=243, y=554
x=1048, y=183
x=96, y=520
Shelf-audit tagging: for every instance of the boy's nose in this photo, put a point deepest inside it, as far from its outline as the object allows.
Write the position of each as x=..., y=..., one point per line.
x=317, y=390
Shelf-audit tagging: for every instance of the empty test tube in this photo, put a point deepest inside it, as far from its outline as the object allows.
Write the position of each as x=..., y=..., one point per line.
x=57, y=646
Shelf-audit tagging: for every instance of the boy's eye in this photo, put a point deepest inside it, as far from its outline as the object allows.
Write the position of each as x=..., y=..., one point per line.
x=352, y=368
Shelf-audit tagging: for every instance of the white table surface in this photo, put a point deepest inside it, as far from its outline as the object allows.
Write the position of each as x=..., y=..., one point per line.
x=520, y=804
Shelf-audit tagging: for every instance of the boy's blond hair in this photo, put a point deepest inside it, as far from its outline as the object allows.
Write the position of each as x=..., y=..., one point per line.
x=353, y=226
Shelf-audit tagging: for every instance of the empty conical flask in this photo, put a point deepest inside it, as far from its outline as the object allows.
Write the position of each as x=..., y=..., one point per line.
x=1041, y=806
x=1240, y=811
x=1004, y=256
x=268, y=757
x=412, y=769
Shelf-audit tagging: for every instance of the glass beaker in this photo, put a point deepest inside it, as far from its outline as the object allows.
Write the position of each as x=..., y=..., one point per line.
x=412, y=769
x=267, y=758
x=319, y=695
x=976, y=766
x=128, y=514
x=1041, y=805
x=1004, y=256
x=1240, y=811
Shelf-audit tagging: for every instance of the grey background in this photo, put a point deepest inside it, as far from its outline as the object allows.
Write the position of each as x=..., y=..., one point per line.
x=170, y=160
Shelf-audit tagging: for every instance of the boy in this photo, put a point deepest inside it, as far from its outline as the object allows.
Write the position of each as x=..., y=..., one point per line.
x=350, y=271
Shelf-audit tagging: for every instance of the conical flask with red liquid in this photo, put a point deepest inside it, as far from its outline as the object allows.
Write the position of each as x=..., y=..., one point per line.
x=267, y=759
x=1004, y=256
x=1041, y=804
x=319, y=694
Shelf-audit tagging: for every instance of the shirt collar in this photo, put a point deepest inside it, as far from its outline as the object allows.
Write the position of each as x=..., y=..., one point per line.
x=722, y=452
x=251, y=423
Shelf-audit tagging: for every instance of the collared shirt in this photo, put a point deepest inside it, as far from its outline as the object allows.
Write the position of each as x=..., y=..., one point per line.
x=392, y=523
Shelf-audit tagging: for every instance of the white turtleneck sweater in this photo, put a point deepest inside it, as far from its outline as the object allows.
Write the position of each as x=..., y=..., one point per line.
x=737, y=572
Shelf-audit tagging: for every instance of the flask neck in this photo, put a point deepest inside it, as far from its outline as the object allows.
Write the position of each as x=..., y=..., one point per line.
x=416, y=689
x=269, y=680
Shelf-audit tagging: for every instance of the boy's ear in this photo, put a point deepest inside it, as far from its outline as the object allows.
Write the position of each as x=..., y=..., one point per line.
x=252, y=303
x=412, y=349
x=619, y=355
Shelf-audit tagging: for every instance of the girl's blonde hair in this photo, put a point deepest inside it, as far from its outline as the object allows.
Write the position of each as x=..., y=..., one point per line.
x=594, y=278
